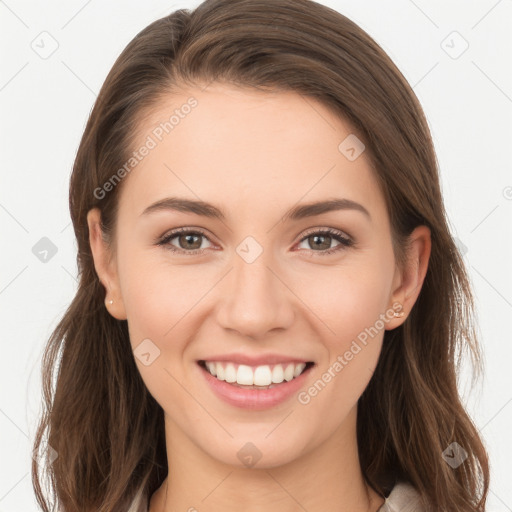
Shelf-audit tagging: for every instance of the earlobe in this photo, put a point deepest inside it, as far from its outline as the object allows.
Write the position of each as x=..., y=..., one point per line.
x=411, y=277
x=104, y=266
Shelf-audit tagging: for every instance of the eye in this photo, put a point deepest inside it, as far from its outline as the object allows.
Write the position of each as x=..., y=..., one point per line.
x=188, y=241
x=322, y=240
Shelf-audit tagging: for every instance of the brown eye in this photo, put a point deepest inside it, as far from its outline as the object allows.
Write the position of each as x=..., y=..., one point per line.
x=190, y=241
x=187, y=241
x=320, y=242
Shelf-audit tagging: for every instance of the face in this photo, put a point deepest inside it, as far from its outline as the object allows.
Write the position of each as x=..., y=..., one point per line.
x=256, y=278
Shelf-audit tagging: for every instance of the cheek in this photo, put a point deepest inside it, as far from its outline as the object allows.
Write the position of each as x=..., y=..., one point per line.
x=156, y=294
x=349, y=298
x=158, y=300
x=351, y=307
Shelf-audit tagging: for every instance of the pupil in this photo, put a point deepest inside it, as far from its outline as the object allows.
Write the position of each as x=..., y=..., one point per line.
x=188, y=237
x=324, y=237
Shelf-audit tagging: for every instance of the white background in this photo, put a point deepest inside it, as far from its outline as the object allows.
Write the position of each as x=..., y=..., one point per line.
x=44, y=106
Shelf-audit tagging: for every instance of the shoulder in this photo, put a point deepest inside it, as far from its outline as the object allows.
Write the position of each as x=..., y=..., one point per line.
x=403, y=498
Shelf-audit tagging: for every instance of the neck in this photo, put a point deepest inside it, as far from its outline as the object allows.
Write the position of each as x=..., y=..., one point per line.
x=327, y=478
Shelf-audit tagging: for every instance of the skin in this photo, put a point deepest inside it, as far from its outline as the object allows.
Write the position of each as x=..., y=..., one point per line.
x=256, y=155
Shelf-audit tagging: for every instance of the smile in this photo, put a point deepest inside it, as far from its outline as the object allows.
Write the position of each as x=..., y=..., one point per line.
x=239, y=393
x=263, y=376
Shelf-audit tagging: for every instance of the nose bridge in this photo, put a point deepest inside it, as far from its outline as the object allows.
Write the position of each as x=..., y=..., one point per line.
x=255, y=301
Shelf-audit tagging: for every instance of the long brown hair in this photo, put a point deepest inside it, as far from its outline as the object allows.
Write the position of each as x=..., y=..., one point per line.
x=102, y=423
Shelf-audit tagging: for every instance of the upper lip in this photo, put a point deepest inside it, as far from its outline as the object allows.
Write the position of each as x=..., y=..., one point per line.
x=259, y=360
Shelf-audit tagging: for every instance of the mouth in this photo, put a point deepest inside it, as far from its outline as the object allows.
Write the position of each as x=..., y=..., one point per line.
x=255, y=377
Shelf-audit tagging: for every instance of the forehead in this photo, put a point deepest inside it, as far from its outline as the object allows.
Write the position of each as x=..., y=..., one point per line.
x=247, y=150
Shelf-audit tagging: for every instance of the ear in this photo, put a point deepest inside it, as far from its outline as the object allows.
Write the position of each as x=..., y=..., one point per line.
x=105, y=265
x=407, y=282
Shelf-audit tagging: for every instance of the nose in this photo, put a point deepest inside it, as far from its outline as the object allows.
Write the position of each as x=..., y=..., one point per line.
x=256, y=299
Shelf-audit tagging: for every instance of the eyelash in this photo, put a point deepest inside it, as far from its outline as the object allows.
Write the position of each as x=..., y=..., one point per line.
x=345, y=242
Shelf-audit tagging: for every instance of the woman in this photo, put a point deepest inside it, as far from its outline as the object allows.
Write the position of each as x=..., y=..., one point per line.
x=271, y=307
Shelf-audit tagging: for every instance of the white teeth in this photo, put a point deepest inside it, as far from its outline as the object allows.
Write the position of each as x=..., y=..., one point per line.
x=220, y=372
x=212, y=368
x=277, y=374
x=262, y=376
x=230, y=373
x=288, y=373
x=257, y=376
x=298, y=369
x=244, y=375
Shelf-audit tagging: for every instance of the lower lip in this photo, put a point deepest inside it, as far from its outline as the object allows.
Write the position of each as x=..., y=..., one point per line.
x=255, y=399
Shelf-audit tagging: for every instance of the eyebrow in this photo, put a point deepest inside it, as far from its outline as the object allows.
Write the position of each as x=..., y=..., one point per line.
x=296, y=213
